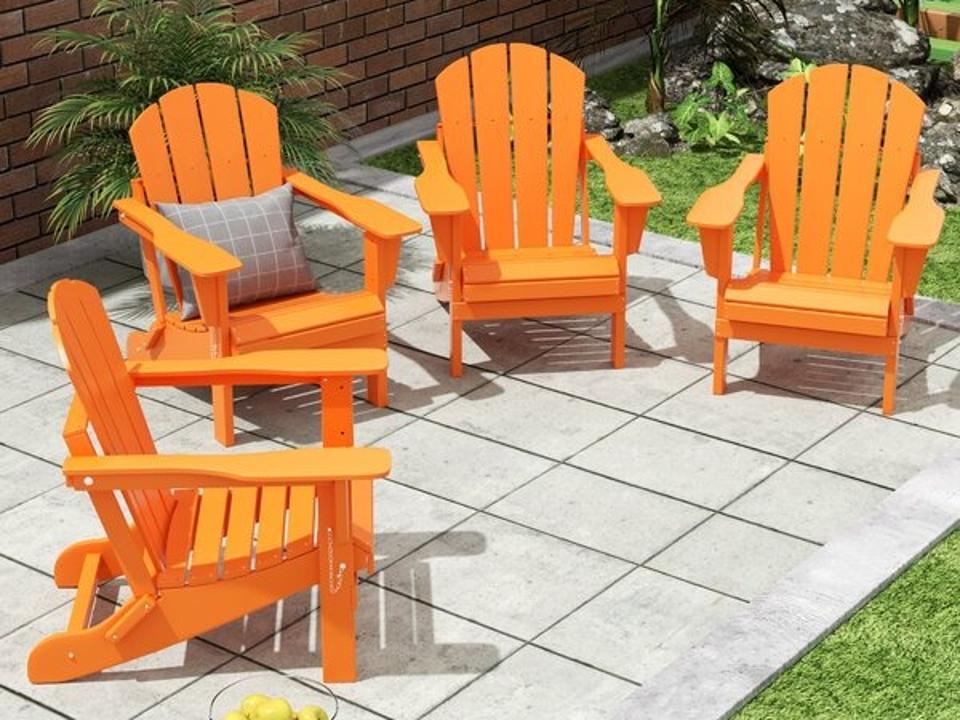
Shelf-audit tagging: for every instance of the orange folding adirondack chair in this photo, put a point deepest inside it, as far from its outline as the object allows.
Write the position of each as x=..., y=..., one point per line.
x=513, y=115
x=209, y=538
x=846, y=249
x=211, y=142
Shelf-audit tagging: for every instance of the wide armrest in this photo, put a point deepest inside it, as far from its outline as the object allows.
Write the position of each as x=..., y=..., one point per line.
x=628, y=186
x=720, y=206
x=267, y=367
x=281, y=467
x=370, y=215
x=438, y=192
x=919, y=224
x=195, y=255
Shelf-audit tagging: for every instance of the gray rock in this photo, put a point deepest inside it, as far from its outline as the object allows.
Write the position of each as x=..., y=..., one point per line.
x=598, y=118
x=922, y=79
x=653, y=136
x=956, y=67
x=940, y=145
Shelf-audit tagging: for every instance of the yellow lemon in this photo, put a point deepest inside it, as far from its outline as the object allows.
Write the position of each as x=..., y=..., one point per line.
x=273, y=709
x=250, y=702
x=312, y=712
x=234, y=715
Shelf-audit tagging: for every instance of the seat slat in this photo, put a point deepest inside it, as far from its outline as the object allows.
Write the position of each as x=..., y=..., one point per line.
x=528, y=80
x=861, y=150
x=273, y=505
x=491, y=108
x=211, y=520
x=187, y=148
x=220, y=114
x=826, y=295
x=542, y=290
x=237, y=554
x=904, y=120
x=567, y=84
x=300, y=520
x=521, y=270
x=786, y=103
x=826, y=102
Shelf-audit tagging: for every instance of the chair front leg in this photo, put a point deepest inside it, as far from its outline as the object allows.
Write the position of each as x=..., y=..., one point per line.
x=214, y=310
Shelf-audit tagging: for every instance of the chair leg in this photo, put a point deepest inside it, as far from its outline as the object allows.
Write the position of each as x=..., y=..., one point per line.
x=223, y=414
x=338, y=587
x=720, y=365
x=890, y=384
x=377, y=389
x=456, y=348
x=908, y=306
x=618, y=338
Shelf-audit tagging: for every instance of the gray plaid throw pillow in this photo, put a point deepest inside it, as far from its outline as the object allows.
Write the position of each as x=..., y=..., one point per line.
x=258, y=231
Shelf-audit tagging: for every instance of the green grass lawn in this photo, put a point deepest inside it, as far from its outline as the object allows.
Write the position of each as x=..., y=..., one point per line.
x=682, y=177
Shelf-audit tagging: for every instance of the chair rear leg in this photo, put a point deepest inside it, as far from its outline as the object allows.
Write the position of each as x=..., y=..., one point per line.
x=890, y=384
x=338, y=586
x=223, y=414
x=908, y=306
x=618, y=339
x=456, y=348
x=720, y=365
x=377, y=389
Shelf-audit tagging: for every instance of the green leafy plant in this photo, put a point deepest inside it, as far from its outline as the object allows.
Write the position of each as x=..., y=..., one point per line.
x=155, y=46
x=910, y=11
x=717, y=115
x=798, y=67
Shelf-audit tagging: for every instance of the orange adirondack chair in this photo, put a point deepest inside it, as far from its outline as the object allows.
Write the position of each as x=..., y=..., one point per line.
x=846, y=248
x=209, y=538
x=514, y=115
x=211, y=142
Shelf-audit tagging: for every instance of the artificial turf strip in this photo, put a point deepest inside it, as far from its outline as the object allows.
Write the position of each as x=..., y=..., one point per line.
x=896, y=659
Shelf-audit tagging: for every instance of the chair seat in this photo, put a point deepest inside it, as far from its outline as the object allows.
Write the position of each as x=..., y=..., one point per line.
x=530, y=273
x=809, y=301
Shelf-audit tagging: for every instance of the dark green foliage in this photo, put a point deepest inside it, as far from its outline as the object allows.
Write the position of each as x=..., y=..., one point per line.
x=155, y=46
x=717, y=115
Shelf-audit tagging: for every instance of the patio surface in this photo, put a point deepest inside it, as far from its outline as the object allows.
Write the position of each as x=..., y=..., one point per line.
x=553, y=533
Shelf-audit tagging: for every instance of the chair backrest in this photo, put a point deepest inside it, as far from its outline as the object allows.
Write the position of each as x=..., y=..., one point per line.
x=841, y=152
x=207, y=142
x=100, y=379
x=511, y=118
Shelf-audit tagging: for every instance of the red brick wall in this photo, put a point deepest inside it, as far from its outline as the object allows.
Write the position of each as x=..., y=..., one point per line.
x=390, y=51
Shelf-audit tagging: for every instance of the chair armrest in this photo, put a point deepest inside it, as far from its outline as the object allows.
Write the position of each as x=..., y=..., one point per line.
x=628, y=186
x=302, y=466
x=267, y=367
x=720, y=206
x=195, y=255
x=373, y=217
x=438, y=192
x=918, y=225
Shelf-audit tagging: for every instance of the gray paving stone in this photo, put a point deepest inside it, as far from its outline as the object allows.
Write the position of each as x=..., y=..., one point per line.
x=698, y=288
x=16, y=307
x=421, y=383
x=811, y=503
x=14, y=706
x=410, y=656
x=733, y=557
x=652, y=273
x=582, y=367
x=639, y=625
x=931, y=399
x=677, y=462
x=458, y=466
x=415, y=269
x=34, y=338
x=536, y=684
x=928, y=342
x=493, y=345
x=130, y=304
x=123, y=691
x=23, y=477
x=762, y=417
x=531, y=418
x=855, y=380
x=880, y=450
x=28, y=594
x=503, y=575
x=23, y=378
x=102, y=274
x=330, y=240
x=602, y=514
x=950, y=359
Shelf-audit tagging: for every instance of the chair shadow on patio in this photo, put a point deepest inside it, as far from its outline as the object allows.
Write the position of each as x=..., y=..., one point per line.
x=396, y=635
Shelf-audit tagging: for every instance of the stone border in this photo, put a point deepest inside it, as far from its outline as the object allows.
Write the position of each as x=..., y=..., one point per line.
x=727, y=669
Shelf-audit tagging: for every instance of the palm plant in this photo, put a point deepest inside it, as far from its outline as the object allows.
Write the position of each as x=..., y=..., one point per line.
x=154, y=46
x=910, y=11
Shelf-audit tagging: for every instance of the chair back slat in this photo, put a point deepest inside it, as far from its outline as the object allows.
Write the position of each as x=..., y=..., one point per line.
x=785, y=107
x=515, y=114
x=861, y=151
x=153, y=157
x=567, y=83
x=826, y=97
x=103, y=385
x=261, y=128
x=456, y=116
x=529, y=84
x=491, y=107
x=188, y=152
x=904, y=121
x=841, y=152
x=220, y=117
